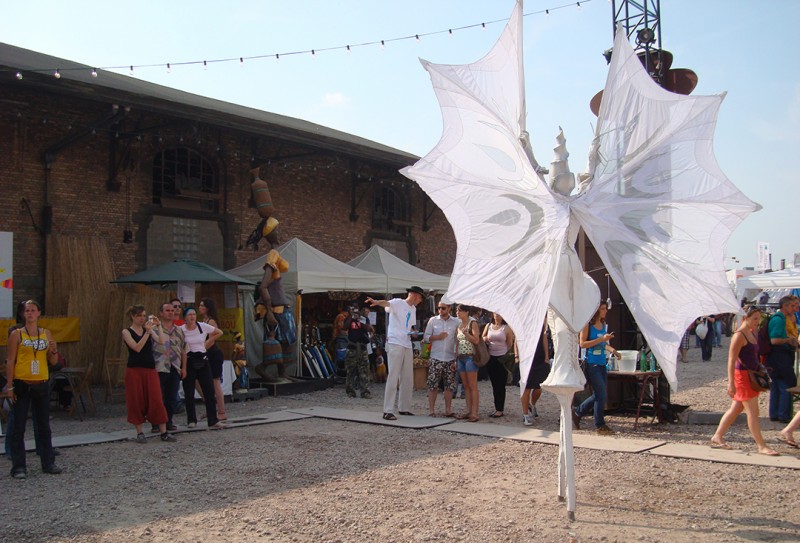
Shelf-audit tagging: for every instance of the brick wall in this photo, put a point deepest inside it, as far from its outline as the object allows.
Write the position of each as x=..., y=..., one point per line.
x=99, y=183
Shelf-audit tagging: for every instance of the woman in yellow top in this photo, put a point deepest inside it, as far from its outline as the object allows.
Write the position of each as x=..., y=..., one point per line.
x=31, y=350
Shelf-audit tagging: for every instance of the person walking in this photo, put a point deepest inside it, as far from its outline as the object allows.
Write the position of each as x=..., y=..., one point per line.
x=594, y=338
x=31, y=350
x=402, y=315
x=743, y=358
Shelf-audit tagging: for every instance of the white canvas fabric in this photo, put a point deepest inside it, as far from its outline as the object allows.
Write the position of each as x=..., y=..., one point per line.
x=658, y=209
x=399, y=274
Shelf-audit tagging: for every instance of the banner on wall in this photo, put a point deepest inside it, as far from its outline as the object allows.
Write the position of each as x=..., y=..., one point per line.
x=6, y=275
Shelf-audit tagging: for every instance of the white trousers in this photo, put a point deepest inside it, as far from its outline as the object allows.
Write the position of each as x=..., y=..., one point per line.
x=401, y=370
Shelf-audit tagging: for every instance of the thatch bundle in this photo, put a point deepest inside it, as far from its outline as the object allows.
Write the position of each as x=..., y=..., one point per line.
x=79, y=272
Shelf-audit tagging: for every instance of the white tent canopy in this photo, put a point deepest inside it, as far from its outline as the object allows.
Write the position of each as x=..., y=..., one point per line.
x=783, y=280
x=311, y=270
x=399, y=275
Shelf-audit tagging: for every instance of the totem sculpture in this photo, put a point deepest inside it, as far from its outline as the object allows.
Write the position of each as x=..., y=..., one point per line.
x=272, y=307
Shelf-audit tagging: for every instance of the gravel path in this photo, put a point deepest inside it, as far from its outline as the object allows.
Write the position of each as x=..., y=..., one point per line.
x=320, y=480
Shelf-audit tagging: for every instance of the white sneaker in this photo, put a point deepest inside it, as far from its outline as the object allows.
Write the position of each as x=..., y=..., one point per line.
x=191, y=425
x=526, y=420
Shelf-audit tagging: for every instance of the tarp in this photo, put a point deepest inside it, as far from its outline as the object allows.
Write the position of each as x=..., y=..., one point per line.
x=311, y=270
x=399, y=274
x=183, y=270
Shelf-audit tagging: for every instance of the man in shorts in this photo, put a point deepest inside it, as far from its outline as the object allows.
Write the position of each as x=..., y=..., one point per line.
x=441, y=332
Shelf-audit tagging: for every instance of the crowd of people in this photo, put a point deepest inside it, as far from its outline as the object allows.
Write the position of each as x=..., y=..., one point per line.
x=179, y=347
x=163, y=351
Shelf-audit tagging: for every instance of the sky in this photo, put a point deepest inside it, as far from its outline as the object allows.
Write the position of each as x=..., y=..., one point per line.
x=741, y=47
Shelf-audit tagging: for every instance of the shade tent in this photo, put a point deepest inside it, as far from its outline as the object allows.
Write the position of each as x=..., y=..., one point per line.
x=311, y=270
x=399, y=275
x=183, y=270
x=786, y=281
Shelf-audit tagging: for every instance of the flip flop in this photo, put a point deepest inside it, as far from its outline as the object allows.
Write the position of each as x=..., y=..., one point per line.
x=787, y=440
x=770, y=453
x=450, y=415
x=722, y=446
x=460, y=416
x=473, y=419
x=389, y=416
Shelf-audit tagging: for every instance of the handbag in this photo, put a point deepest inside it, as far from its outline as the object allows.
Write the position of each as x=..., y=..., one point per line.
x=701, y=330
x=759, y=379
x=481, y=355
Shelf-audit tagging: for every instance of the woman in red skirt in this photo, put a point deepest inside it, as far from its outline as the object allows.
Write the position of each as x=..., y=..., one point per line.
x=743, y=356
x=142, y=387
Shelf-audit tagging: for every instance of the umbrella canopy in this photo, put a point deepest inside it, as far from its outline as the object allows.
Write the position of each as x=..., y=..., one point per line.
x=399, y=274
x=183, y=270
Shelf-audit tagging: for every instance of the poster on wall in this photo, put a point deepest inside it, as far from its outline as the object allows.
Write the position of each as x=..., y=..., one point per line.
x=6, y=275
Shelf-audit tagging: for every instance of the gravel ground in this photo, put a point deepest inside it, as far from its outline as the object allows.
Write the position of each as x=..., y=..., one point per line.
x=321, y=480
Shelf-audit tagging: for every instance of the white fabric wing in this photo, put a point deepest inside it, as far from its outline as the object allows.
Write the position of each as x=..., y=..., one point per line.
x=507, y=224
x=659, y=209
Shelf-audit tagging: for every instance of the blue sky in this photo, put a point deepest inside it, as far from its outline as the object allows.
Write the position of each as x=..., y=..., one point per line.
x=383, y=94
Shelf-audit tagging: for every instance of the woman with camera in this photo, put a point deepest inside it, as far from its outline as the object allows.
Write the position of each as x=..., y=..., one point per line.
x=142, y=386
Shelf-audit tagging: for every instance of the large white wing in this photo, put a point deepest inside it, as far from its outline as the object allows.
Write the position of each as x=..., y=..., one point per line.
x=507, y=224
x=659, y=209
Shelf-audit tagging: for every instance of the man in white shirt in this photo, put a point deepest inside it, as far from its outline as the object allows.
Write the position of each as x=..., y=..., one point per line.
x=402, y=315
x=441, y=333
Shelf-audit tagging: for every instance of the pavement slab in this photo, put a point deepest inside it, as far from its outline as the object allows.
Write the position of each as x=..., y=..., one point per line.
x=372, y=417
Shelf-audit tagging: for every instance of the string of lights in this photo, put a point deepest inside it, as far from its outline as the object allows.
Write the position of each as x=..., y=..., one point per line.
x=168, y=66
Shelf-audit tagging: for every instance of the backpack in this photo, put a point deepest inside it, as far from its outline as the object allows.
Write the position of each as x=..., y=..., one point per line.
x=764, y=344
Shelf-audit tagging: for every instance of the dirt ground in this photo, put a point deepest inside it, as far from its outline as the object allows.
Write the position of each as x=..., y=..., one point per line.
x=316, y=480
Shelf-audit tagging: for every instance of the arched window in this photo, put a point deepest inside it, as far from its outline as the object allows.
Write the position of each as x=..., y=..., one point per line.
x=184, y=179
x=390, y=205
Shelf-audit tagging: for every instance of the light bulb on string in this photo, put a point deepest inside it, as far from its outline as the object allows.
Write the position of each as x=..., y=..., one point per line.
x=313, y=54
x=417, y=37
x=450, y=32
x=483, y=26
x=277, y=58
x=57, y=74
x=205, y=65
x=169, y=68
x=579, y=5
x=19, y=76
x=383, y=44
x=547, y=12
x=131, y=71
x=241, y=62
x=94, y=72
x=348, y=50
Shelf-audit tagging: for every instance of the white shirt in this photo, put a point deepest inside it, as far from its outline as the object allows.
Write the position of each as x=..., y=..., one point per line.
x=196, y=339
x=442, y=349
x=401, y=318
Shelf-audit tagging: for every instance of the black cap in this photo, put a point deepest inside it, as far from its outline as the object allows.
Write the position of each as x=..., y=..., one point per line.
x=416, y=290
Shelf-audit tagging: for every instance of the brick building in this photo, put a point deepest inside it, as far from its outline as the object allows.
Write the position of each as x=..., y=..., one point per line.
x=161, y=174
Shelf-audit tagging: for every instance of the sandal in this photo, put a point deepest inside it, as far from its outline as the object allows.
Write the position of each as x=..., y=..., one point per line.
x=787, y=440
x=450, y=415
x=141, y=438
x=724, y=446
x=769, y=452
x=473, y=419
x=495, y=415
x=460, y=416
x=389, y=416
